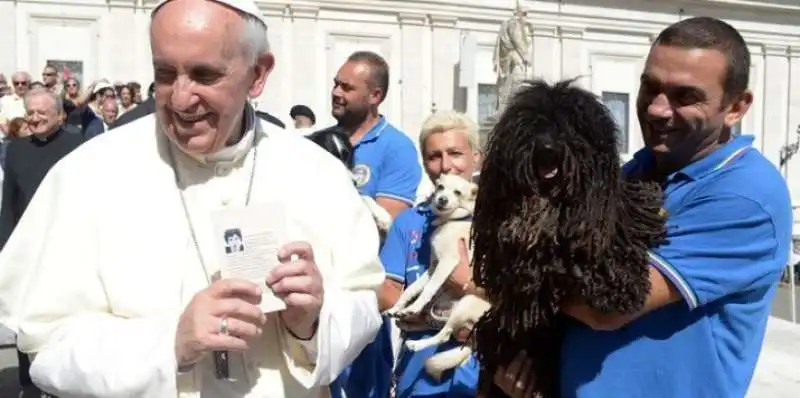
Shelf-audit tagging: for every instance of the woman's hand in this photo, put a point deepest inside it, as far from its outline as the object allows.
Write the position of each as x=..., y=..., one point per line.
x=516, y=380
x=461, y=276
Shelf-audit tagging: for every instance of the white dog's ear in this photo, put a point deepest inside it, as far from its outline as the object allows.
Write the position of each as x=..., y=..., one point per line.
x=473, y=193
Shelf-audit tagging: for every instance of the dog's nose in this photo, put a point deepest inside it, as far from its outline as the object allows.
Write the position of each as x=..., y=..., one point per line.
x=547, y=155
x=442, y=201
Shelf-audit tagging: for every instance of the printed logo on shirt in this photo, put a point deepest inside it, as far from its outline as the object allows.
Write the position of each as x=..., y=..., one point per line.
x=361, y=175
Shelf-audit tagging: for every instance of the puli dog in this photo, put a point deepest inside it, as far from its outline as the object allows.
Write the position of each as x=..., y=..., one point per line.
x=556, y=220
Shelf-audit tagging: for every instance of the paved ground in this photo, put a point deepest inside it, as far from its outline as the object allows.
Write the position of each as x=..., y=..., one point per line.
x=8, y=373
x=782, y=305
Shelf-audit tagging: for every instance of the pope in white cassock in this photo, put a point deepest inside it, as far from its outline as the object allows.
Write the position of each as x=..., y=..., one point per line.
x=108, y=278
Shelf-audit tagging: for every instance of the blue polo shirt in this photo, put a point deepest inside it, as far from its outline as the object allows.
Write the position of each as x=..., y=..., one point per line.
x=406, y=255
x=385, y=164
x=729, y=231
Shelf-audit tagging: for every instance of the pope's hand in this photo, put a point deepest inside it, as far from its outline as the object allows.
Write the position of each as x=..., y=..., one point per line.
x=298, y=280
x=220, y=318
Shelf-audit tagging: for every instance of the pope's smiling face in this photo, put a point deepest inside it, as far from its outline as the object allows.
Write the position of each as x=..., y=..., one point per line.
x=204, y=72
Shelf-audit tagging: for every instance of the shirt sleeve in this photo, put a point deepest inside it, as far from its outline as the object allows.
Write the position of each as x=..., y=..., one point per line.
x=395, y=251
x=718, y=246
x=401, y=173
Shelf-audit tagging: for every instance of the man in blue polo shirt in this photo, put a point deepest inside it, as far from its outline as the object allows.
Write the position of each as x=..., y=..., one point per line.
x=386, y=167
x=729, y=230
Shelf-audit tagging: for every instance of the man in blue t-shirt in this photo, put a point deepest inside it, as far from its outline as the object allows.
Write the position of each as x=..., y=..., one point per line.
x=385, y=167
x=728, y=231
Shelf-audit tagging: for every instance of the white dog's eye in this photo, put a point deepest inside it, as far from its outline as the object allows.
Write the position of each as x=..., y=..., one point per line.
x=439, y=187
x=457, y=192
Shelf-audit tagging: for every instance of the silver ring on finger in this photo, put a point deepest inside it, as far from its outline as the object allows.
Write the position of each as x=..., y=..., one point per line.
x=223, y=326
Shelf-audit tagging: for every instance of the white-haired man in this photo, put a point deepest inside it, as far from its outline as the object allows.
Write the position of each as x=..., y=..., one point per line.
x=116, y=255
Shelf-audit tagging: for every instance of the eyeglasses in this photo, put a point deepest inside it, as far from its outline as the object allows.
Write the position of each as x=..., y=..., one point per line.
x=22, y=83
x=48, y=74
x=72, y=85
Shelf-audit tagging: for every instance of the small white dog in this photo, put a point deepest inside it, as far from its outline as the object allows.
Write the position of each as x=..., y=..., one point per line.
x=453, y=202
x=382, y=217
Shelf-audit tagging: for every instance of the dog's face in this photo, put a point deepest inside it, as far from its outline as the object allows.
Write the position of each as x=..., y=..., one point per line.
x=336, y=142
x=454, y=197
x=554, y=142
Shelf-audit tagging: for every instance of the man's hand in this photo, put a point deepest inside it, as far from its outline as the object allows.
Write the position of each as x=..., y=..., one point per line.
x=231, y=302
x=462, y=274
x=517, y=379
x=298, y=280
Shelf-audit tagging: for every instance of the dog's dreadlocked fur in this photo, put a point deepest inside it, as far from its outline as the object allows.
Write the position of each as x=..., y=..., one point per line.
x=541, y=240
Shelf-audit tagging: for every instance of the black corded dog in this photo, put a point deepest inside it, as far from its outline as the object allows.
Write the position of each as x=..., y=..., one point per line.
x=556, y=220
x=336, y=142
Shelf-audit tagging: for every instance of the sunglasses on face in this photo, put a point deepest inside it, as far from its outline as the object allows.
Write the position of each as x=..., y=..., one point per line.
x=17, y=83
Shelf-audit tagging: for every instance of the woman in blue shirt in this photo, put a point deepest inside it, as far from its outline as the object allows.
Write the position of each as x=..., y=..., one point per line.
x=449, y=145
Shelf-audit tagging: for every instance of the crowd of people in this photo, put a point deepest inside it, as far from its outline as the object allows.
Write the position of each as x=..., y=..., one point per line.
x=109, y=278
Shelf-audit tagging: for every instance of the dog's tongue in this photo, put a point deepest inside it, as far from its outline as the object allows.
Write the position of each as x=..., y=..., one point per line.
x=548, y=173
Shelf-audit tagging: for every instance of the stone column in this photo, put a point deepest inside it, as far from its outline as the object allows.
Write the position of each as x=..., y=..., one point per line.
x=572, y=62
x=544, y=62
x=8, y=40
x=304, y=66
x=143, y=58
x=776, y=101
x=122, y=16
x=414, y=108
x=446, y=42
x=275, y=99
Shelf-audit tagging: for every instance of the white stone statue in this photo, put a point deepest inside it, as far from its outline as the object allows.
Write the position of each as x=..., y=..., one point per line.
x=511, y=54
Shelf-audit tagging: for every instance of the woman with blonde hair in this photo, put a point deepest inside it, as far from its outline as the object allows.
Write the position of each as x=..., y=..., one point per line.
x=449, y=143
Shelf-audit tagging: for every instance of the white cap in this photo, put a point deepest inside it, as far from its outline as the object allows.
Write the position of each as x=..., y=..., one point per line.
x=102, y=86
x=248, y=7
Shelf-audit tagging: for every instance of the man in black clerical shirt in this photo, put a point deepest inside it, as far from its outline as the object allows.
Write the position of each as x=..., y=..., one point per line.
x=28, y=159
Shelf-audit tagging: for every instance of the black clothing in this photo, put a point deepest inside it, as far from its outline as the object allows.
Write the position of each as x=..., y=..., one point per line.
x=28, y=159
x=80, y=118
x=149, y=106
x=272, y=119
x=145, y=108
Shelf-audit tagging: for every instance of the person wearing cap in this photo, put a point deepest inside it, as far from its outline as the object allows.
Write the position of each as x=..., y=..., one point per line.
x=112, y=277
x=303, y=117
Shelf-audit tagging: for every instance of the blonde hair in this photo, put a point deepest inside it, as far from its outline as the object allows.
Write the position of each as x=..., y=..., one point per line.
x=442, y=121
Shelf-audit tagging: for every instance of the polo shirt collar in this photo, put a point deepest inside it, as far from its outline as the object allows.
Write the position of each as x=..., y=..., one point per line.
x=716, y=160
x=375, y=131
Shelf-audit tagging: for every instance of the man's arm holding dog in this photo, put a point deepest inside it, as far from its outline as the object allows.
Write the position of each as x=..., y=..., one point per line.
x=717, y=246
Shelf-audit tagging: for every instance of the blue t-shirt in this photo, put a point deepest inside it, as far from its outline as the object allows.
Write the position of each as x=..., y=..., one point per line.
x=729, y=231
x=385, y=165
x=406, y=255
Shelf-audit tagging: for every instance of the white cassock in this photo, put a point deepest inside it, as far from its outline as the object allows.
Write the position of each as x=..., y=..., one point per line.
x=103, y=262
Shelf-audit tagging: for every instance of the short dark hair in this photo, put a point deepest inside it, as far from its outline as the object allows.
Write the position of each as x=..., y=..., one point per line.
x=713, y=34
x=378, y=67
